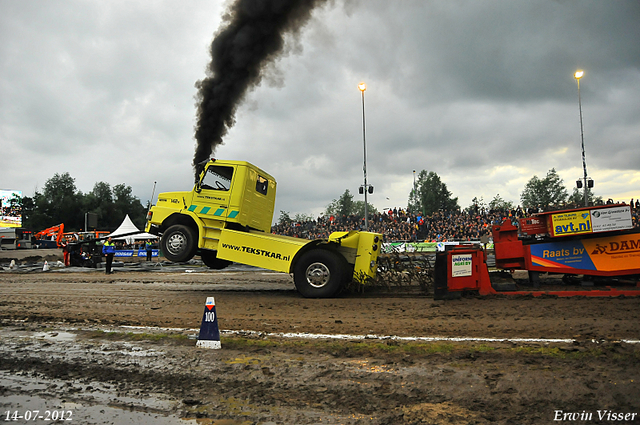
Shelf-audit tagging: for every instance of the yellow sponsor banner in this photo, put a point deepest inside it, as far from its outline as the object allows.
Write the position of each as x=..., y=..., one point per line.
x=273, y=252
x=571, y=223
x=615, y=252
x=9, y=223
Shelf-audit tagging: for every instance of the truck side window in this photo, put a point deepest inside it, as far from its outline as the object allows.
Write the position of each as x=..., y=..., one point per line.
x=217, y=177
x=262, y=185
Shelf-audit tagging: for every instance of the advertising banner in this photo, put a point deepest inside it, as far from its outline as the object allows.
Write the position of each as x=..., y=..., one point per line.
x=137, y=252
x=390, y=247
x=461, y=265
x=607, y=219
x=591, y=221
x=607, y=254
x=571, y=223
x=10, y=208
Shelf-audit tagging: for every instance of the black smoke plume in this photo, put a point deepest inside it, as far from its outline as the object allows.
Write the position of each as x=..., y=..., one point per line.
x=252, y=36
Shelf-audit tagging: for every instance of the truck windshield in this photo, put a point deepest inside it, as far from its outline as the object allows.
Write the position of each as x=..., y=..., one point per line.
x=217, y=177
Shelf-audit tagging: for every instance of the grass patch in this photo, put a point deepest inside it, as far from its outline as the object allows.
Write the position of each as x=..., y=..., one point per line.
x=155, y=337
x=560, y=353
x=482, y=348
x=341, y=348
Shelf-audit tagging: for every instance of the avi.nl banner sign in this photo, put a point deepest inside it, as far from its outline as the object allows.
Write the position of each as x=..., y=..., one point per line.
x=591, y=221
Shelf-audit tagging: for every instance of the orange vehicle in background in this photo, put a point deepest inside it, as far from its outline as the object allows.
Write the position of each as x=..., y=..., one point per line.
x=50, y=238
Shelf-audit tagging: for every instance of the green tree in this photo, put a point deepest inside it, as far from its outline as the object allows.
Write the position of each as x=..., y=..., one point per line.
x=343, y=206
x=59, y=202
x=285, y=218
x=548, y=193
x=301, y=217
x=432, y=195
x=412, y=205
x=358, y=209
x=100, y=202
x=477, y=206
x=28, y=209
x=577, y=198
x=499, y=204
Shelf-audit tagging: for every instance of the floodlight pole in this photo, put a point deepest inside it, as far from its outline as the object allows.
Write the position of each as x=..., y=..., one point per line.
x=577, y=76
x=363, y=87
x=415, y=202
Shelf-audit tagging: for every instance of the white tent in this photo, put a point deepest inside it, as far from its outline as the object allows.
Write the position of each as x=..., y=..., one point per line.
x=126, y=228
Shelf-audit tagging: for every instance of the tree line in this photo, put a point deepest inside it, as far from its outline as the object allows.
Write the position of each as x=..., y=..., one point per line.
x=60, y=201
x=431, y=195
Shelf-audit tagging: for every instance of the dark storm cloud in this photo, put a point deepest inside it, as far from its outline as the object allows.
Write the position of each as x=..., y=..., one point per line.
x=503, y=50
x=252, y=36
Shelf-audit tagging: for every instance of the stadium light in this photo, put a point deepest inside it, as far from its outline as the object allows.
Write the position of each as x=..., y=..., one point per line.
x=366, y=189
x=578, y=74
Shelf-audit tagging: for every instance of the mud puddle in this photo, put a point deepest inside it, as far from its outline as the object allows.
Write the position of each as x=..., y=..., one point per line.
x=30, y=396
x=33, y=399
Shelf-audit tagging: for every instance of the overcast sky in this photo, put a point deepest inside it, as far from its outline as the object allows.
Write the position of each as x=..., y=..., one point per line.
x=481, y=92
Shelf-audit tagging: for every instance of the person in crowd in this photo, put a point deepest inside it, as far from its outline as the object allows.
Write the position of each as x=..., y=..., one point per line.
x=109, y=251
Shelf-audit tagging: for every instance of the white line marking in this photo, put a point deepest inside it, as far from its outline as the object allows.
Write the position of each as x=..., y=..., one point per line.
x=304, y=335
x=393, y=337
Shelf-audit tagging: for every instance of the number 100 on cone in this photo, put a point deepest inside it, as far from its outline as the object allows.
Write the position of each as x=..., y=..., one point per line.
x=209, y=333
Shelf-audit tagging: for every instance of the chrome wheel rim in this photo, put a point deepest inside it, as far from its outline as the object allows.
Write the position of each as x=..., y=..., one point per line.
x=176, y=243
x=318, y=275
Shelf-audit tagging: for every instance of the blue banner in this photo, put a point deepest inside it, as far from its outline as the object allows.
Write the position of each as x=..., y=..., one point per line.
x=143, y=253
x=562, y=254
x=138, y=253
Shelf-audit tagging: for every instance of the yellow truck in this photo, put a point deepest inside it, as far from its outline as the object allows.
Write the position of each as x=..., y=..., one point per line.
x=227, y=218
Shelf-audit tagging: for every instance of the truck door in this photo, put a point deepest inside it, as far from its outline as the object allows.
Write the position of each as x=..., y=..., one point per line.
x=213, y=192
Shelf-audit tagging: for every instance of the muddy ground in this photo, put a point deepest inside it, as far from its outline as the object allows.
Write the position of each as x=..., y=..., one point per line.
x=121, y=349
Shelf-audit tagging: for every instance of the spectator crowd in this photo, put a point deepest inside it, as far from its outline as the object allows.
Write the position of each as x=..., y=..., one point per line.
x=398, y=224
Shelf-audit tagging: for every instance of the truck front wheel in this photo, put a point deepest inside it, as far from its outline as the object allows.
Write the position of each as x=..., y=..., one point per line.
x=320, y=274
x=178, y=243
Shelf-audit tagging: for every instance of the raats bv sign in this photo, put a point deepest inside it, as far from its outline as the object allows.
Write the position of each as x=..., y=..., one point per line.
x=613, y=253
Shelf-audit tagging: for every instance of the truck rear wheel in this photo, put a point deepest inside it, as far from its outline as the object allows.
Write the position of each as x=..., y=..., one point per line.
x=320, y=274
x=178, y=243
x=211, y=260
